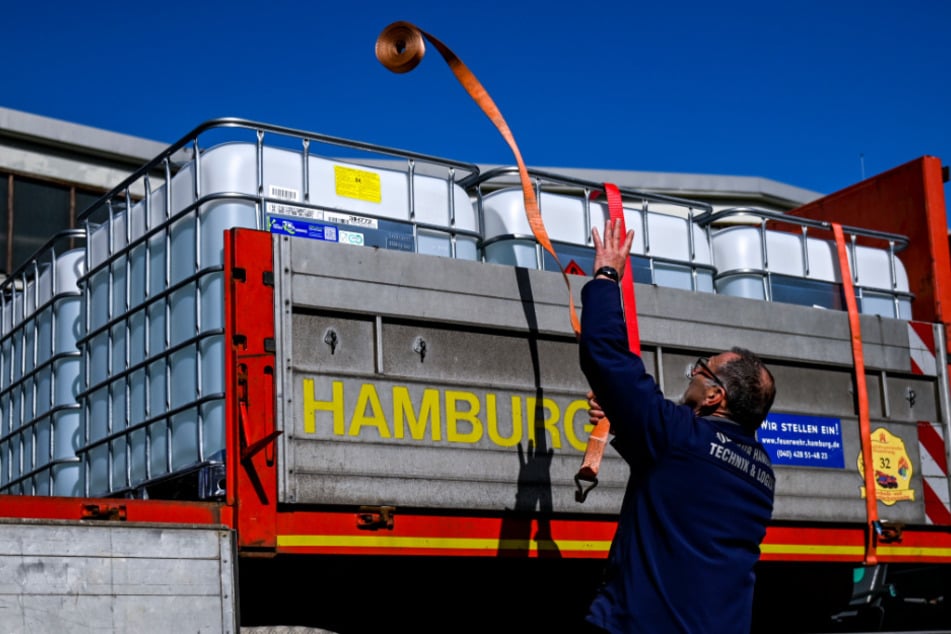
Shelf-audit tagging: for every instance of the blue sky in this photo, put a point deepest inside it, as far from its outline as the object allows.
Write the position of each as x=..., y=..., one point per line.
x=812, y=93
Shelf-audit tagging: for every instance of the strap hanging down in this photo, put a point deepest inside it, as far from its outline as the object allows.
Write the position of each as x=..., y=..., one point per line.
x=400, y=48
x=861, y=392
x=594, y=452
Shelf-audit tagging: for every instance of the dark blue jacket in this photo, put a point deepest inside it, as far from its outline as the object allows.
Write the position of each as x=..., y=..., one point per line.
x=697, y=502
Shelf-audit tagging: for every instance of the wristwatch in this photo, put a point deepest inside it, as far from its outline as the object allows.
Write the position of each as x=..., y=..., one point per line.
x=608, y=271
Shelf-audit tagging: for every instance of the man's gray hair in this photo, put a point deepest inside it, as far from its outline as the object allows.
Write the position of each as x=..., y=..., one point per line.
x=750, y=389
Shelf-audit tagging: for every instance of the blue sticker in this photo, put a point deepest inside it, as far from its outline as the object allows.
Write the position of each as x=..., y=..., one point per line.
x=803, y=441
x=302, y=229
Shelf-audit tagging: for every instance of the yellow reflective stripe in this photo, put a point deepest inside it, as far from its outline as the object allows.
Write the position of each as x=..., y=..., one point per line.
x=914, y=551
x=593, y=546
x=854, y=551
x=441, y=543
x=811, y=549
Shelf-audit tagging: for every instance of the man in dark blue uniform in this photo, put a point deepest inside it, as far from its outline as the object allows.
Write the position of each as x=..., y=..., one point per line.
x=700, y=493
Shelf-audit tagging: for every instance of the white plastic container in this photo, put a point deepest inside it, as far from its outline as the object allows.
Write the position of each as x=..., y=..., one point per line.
x=154, y=400
x=807, y=267
x=40, y=381
x=368, y=205
x=667, y=241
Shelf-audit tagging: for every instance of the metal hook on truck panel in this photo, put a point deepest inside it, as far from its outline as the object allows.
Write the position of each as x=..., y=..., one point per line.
x=371, y=518
x=331, y=339
x=419, y=347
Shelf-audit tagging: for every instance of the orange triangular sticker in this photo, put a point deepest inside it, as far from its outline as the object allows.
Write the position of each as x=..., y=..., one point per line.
x=574, y=269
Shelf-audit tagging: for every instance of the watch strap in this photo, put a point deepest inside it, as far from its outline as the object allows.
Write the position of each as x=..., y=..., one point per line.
x=609, y=272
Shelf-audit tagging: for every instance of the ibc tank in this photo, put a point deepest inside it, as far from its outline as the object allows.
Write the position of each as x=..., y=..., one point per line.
x=669, y=249
x=366, y=205
x=40, y=430
x=760, y=263
x=153, y=399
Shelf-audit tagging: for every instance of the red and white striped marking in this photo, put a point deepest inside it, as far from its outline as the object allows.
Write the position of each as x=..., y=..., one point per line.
x=922, y=348
x=934, y=473
x=931, y=436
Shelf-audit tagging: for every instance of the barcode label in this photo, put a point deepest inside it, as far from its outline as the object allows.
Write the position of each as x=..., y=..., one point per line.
x=283, y=193
x=294, y=211
x=350, y=219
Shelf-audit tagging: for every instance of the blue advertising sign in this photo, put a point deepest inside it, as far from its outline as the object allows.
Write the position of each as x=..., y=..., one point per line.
x=803, y=441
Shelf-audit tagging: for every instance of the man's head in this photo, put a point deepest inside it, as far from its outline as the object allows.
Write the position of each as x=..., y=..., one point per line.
x=734, y=384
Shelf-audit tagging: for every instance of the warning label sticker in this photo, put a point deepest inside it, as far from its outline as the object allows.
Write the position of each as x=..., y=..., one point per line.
x=358, y=184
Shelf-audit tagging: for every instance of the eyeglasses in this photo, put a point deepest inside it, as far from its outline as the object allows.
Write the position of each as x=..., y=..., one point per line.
x=701, y=366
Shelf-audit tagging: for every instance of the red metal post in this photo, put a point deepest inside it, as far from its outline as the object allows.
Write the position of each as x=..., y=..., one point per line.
x=249, y=367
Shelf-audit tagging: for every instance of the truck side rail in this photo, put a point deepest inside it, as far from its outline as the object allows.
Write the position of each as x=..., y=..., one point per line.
x=187, y=148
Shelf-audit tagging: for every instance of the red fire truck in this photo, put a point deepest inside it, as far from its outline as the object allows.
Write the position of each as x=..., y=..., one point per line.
x=265, y=387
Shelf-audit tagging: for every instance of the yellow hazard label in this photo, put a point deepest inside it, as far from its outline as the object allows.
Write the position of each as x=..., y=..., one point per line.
x=892, y=466
x=358, y=184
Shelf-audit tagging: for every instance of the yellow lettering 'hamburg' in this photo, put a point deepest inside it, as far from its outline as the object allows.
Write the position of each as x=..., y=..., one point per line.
x=446, y=415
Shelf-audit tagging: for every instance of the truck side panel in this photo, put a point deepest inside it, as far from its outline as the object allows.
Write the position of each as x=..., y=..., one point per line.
x=437, y=384
x=58, y=576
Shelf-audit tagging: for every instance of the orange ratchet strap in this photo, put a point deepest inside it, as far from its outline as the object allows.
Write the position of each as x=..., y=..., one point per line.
x=400, y=48
x=594, y=452
x=616, y=210
x=871, y=500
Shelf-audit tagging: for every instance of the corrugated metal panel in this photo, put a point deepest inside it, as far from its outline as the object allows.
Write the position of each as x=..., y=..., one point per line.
x=101, y=577
x=408, y=381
